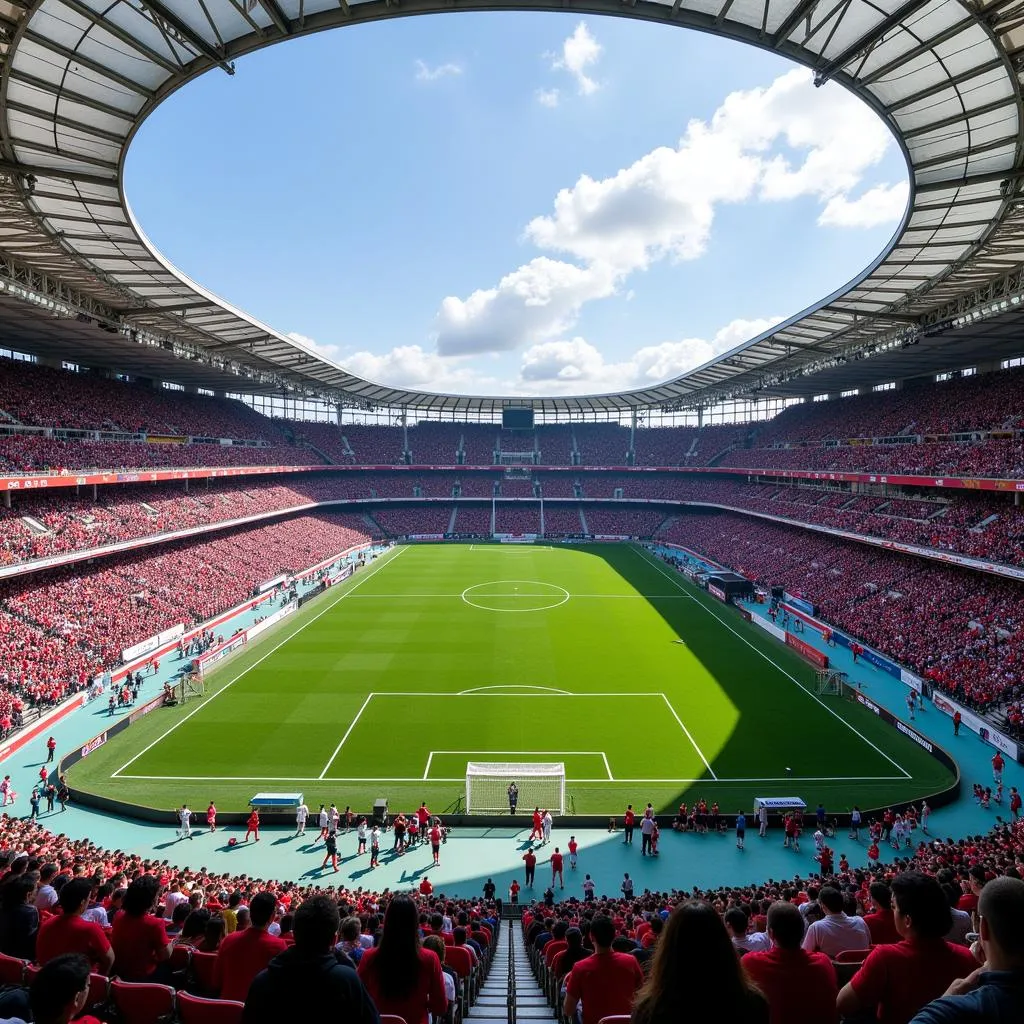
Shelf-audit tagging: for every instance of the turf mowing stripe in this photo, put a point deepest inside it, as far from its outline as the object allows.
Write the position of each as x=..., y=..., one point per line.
x=648, y=557
x=700, y=753
x=377, y=778
x=260, y=660
x=348, y=732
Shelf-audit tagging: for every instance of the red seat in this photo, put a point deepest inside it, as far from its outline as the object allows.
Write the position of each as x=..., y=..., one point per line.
x=852, y=956
x=12, y=970
x=391, y=1018
x=142, y=1002
x=198, y=1010
x=204, y=979
x=617, y=1018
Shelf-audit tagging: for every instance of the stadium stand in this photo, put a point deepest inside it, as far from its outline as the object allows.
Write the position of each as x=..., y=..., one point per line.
x=404, y=522
x=957, y=628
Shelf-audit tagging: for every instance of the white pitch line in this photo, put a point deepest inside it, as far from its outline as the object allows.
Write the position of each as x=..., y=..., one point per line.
x=348, y=732
x=426, y=771
x=472, y=693
x=519, y=594
x=607, y=767
x=377, y=778
x=648, y=557
x=693, y=742
x=260, y=660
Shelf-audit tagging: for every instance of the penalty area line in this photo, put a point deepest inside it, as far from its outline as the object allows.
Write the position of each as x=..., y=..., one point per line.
x=693, y=742
x=259, y=661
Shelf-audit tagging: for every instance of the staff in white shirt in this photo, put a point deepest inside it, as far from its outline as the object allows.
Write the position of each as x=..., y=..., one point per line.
x=301, y=814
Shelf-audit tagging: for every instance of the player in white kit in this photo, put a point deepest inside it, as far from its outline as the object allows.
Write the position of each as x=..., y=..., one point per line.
x=185, y=817
x=301, y=814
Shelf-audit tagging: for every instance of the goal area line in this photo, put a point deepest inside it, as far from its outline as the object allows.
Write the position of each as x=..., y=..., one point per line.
x=517, y=755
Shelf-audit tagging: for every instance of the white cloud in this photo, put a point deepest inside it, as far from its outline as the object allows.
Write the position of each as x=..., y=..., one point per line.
x=535, y=303
x=883, y=204
x=576, y=366
x=774, y=143
x=579, y=52
x=548, y=97
x=563, y=366
x=327, y=351
x=425, y=73
x=411, y=366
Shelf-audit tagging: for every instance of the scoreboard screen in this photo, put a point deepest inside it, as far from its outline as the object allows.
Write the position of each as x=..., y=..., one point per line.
x=517, y=418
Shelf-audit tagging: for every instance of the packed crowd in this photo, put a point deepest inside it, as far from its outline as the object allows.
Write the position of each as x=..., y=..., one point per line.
x=886, y=940
x=57, y=633
x=42, y=396
x=958, y=628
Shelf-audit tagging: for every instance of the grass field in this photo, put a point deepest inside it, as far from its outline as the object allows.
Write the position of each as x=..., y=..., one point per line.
x=598, y=656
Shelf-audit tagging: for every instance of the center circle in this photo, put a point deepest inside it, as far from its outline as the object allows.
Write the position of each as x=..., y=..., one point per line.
x=515, y=596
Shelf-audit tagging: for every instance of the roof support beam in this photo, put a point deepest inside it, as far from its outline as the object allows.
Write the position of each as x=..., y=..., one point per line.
x=95, y=18
x=74, y=57
x=866, y=41
x=275, y=15
x=194, y=40
x=801, y=11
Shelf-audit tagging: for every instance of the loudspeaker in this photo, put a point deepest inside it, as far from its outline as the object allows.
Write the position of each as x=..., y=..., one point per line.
x=380, y=811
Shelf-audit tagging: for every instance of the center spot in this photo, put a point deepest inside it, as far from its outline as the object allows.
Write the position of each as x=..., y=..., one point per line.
x=515, y=596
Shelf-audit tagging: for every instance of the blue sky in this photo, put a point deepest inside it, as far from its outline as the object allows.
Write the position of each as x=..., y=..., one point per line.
x=516, y=202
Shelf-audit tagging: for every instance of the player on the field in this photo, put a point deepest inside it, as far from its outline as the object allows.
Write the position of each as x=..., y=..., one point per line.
x=545, y=824
x=573, y=847
x=556, y=869
x=513, y=797
x=301, y=814
x=185, y=817
x=211, y=816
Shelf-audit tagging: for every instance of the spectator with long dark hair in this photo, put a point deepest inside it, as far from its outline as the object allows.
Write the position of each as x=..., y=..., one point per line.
x=696, y=974
x=19, y=919
x=401, y=976
x=138, y=936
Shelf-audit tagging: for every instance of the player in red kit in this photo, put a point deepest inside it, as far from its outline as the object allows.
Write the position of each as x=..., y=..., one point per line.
x=538, y=822
x=573, y=847
x=253, y=825
x=556, y=869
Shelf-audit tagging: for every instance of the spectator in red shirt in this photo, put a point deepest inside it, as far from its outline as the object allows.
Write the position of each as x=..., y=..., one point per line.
x=696, y=975
x=880, y=921
x=800, y=987
x=139, y=939
x=60, y=990
x=69, y=932
x=243, y=954
x=606, y=981
x=401, y=976
x=897, y=980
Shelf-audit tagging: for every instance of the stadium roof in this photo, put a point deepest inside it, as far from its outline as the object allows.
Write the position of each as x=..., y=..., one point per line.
x=81, y=75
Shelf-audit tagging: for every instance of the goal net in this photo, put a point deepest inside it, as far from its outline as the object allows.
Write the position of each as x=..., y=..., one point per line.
x=538, y=785
x=830, y=681
x=189, y=687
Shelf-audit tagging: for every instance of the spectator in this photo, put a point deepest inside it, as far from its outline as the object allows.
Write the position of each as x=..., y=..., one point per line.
x=880, y=921
x=244, y=954
x=606, y=981
x=19, y=919
x=835, y=932
x=60, y=991
x=401, y=976
x=993, y=994
x=69, y=932
x=696, y=973
x=138, y=937
x=310, y=974
x=897, y=980
x=800, y=987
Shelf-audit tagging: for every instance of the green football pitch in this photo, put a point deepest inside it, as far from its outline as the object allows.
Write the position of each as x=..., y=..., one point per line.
x=596, y=656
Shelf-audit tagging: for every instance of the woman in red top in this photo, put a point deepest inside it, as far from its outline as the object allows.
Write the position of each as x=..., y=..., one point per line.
x=401, y=976
x=253, y=825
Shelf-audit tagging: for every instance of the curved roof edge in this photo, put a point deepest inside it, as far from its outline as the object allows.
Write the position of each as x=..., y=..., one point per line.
x=80, y=76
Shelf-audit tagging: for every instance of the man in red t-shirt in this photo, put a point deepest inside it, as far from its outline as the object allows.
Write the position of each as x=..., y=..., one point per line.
x=998, y=764
x=530, y=860
x=800, y=987
x=69, y=932
x=606, y=981
x=243, y=954
x=628, y=821
x=897, y=980
x=880, y=921
x=556, y=869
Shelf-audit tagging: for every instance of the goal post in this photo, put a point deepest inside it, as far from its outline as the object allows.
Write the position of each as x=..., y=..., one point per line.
x=539, y=784
x=830, y=681
x=189, y=687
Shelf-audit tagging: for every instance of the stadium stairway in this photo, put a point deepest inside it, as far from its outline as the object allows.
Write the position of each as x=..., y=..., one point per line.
x=510, y=993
